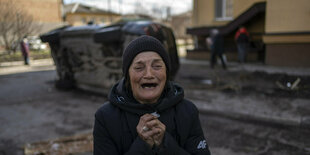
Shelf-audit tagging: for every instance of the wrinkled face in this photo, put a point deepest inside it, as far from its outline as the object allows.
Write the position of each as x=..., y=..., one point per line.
x=147, y=74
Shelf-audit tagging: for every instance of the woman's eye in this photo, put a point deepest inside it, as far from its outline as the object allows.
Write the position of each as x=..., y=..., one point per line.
x=138, y=68
x=158, y=66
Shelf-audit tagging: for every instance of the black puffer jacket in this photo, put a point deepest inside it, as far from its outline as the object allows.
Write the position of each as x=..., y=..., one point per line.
x=115, y=125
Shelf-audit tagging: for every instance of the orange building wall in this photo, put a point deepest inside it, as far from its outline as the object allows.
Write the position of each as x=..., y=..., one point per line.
x=204, y=11
x=42, y=10
x=287, y=16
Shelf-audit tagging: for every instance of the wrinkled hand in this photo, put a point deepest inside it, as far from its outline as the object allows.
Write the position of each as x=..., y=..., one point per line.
x=151, y=130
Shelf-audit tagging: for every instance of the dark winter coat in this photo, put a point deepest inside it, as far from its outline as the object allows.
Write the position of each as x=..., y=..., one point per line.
x=243, y=39
x=217, y=44
x=24, y=48
x=115, y=124
x=242, y=36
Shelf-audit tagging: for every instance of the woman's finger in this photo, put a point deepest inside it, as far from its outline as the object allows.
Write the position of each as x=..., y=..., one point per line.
x=152, y=123
x=143, y=121
x=150, y=133
x=161, y=129
x=147, y=117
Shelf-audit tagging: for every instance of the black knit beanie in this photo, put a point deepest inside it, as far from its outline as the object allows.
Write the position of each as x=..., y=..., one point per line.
x=142, y=44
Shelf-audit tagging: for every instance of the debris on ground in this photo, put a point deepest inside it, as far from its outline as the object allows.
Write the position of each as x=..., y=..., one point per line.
x=62, y=146
x=289, y=86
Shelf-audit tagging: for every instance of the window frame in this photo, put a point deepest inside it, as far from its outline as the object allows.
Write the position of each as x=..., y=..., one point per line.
x=223, y=11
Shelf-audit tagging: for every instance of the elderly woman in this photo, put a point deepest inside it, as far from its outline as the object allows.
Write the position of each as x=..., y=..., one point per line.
x=146, y=113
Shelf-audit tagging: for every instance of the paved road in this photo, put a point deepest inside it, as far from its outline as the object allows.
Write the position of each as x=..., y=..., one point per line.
x=32, y=110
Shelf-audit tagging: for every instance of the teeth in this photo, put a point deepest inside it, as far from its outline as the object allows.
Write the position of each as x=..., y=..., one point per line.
x=148, y=85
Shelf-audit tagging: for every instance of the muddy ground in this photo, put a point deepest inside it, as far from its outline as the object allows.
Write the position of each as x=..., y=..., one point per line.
x=32, y=110
x=228, y=135
x=244, y=82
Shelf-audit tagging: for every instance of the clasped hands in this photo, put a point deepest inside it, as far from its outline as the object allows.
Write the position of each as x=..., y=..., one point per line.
x=151, y=130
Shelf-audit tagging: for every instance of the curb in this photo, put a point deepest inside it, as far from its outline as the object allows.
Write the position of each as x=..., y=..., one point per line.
x=21, y=63
x=19, y=67
x=303, y=123
x=252, y=67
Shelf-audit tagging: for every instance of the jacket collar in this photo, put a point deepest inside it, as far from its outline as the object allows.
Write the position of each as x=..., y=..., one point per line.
x=120, y=97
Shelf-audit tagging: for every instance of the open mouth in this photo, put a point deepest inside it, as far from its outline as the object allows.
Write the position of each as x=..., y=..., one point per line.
x=149, y=85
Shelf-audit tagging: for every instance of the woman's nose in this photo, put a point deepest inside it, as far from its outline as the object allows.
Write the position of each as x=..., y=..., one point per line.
x=148, y=72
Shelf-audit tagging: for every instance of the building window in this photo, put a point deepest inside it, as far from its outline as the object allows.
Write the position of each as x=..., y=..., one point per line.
x=223, y=10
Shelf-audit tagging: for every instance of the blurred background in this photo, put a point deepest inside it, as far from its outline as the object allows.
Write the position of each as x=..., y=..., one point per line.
x=258, y=106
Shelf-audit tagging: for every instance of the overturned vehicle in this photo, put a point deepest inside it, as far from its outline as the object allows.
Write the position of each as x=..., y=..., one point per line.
x=90, y=57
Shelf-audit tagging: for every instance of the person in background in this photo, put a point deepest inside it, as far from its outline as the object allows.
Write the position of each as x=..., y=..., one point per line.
x=146, y=113
x=216, y=44
x=243, y=43
x=25, y=50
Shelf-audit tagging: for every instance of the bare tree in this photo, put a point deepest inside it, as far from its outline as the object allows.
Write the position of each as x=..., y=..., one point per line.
x=15, y=23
